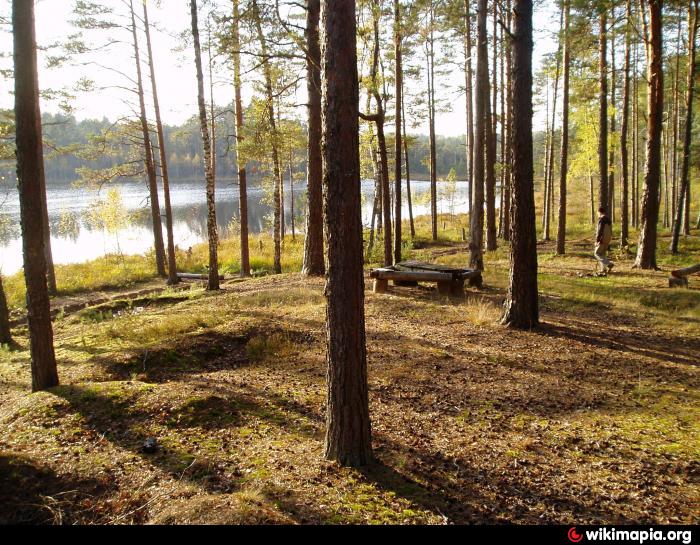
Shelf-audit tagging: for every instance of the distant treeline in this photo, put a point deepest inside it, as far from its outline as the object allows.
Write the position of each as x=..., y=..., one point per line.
x=66, y=138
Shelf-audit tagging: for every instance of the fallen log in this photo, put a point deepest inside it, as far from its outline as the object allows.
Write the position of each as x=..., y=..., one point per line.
x=193, y=276
x=72, y=307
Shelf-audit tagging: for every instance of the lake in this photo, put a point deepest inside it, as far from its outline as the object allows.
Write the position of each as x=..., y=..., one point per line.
x=87, y=224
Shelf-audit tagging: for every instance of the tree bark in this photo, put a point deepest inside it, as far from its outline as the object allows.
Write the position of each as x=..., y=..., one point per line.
x=30, y=178
x=378, y=118
x=148, y=156
x=277, y=171
x=613, y=129
x=646, y=251
x=509, y=130
x=5, y=333
x=502, y=97
x=676, y=121
x=635, y=140
x=348, y=435
x=681, y=209
x=397, y=131
x=603, y=118
x=491, y=104
x=408, y=170
x=564, y=166
x=314, y=263
x=550, y=167
x=50, y=269
x=172, y=265
x=240, y=164
x=521, y=306
x=476, y=244
x=431, y=123
x=624, y=134
x=291, y=194
x=212, y=107
x=470, y=101
x=213, y=283
x=665, y=151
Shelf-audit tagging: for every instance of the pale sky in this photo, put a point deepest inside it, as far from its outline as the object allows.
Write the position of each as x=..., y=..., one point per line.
x=175, y=71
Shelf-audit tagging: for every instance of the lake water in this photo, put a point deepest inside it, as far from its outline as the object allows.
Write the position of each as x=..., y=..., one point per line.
x=77, y=237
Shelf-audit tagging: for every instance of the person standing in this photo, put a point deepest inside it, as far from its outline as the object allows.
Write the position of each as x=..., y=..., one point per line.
x=603, y=238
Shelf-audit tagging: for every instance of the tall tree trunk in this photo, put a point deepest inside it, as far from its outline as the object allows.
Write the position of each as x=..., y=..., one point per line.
x=240, y=164
x=212, y=106
x=491, y=233
x=613, y=129
x=603, y=118
x=470, y=101
x=502, y=65
x=592, y=196
x=509, y=131
x=675, y=117
x=148, y=155
x=521, y=306
x=664, y=190
x=48, y=253
x=545, y=167
x=491, y=138
x=564, y=166
x=682, y=210
x=476, y=244
x=397, y=131
x=291, y=194
x=213, y=282
x=431, y=122
x=277, y=197
x=646, y=252
x=386, y=191
x=172, y=265
x=550, y=167
x=408, y=170
x=348, y=435
x=314, y=264
x=635, y=140
x=5, y=333
x=624, y=133
x=378, y=119
x=30, y=179
x=376, y=204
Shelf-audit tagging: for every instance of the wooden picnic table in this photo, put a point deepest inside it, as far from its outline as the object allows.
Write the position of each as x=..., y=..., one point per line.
x=679, y=277
x=449, y=280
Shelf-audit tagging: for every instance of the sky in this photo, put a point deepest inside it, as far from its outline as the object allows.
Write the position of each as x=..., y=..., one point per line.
x=175, y=71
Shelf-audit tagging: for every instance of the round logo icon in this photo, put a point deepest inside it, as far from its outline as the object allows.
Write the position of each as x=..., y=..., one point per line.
x=574, y=536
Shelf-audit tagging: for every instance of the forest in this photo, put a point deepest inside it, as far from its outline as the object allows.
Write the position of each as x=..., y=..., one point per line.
x=457, y=282
x=69, y=142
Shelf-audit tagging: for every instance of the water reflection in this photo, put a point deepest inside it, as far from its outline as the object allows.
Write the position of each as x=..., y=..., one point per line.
x=78, y=236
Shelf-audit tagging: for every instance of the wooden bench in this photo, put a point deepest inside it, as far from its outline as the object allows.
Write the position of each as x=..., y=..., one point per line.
x=679, y=277
x=449, y=280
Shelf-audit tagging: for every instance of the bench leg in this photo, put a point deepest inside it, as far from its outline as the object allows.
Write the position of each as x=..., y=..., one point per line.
x=380, y=286
x=457, y=288
x=445, y=288
x=677, y=282
x=476, y=282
